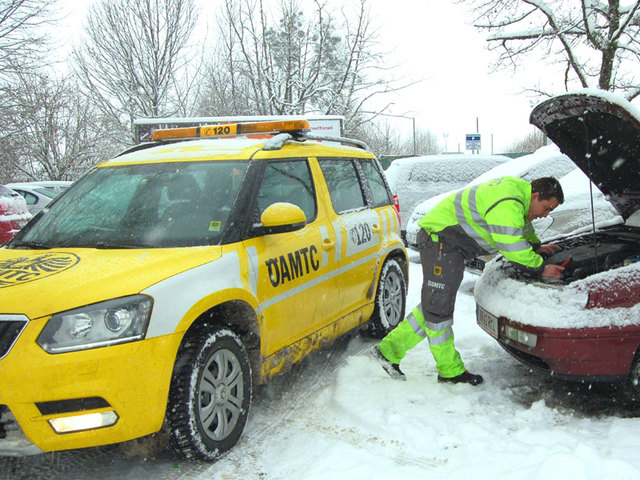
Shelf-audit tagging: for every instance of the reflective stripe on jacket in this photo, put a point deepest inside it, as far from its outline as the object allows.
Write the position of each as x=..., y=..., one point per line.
x=494, y=215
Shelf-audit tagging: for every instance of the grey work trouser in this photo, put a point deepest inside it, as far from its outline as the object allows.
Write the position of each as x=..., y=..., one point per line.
x=442, y=273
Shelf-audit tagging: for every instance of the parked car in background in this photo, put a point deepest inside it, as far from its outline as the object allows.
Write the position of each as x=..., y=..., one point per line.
x=585, y=326
x=38, y=194
x=415, y=179
x=545, y=162
x=13, y=214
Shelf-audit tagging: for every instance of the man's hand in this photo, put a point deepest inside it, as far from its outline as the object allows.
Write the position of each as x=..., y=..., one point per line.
x=552, y=271
x=548, y=249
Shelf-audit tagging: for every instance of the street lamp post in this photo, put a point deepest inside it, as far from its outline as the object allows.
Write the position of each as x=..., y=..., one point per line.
x=413, y=121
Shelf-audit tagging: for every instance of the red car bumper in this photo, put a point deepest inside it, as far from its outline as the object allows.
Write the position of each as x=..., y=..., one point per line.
x=594, y=354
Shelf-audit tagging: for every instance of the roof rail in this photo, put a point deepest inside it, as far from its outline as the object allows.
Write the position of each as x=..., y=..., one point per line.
x=344, y=140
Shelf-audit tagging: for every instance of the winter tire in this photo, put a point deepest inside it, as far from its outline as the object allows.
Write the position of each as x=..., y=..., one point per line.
x=210, y=394
x=390, y=300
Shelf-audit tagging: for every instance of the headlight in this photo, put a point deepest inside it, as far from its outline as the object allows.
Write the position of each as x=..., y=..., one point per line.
x=102, y=324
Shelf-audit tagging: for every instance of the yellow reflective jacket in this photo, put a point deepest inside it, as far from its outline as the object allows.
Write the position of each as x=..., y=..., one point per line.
x=493, y=215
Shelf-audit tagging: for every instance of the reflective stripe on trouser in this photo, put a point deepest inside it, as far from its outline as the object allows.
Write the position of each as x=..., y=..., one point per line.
x=442, y=272
x=412, y=330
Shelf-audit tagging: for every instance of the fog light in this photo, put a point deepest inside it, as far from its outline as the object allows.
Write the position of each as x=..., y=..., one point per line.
x=520, y=336
x=86, y=421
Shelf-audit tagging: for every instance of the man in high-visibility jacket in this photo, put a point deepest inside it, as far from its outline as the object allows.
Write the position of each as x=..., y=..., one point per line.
x=490, y=217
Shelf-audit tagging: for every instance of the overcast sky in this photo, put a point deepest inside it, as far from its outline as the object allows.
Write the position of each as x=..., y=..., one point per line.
x=433, y=43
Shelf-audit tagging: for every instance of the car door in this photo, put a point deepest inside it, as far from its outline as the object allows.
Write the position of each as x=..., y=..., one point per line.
x=294, y=279
x=361, y=230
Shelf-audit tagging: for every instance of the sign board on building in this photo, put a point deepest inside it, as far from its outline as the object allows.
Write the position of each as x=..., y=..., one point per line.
x=327, y=125
x=473, y=141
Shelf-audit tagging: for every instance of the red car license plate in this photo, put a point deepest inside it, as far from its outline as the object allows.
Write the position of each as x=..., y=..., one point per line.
x=487, y=322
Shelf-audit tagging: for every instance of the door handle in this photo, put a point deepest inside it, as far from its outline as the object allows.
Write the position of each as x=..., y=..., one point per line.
x=328, y=244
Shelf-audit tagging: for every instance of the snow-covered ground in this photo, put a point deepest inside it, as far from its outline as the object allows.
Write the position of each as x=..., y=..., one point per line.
x=339, y=416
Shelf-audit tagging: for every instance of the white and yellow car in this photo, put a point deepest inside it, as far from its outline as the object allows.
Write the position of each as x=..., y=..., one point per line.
x=166, y=282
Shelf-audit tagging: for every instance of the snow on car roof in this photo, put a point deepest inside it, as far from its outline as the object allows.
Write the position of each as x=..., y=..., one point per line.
x=547, y=161
x=432, y=167
x=574, y=215
x=544, y=162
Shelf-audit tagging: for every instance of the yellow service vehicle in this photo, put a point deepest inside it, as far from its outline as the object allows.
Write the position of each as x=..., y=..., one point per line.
x=161, y=286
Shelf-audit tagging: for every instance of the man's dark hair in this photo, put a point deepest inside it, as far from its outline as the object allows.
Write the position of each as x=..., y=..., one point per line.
x=547, y=187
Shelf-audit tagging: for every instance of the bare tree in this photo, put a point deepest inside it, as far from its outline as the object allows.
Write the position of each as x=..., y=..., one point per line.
x=295, y=63
x=133, y=63
x=385, y=141
x=426, y=143
x=596, y=41
x=22, y=36
x=530, y=143
x=48, y=130
x=382, y=139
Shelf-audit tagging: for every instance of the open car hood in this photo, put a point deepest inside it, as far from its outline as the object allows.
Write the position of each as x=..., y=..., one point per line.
x=600, y=132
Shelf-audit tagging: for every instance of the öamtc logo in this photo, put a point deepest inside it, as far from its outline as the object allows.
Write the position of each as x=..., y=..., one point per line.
x=30, y=268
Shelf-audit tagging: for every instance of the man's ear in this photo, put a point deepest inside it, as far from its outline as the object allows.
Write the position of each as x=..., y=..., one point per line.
x=535, y=196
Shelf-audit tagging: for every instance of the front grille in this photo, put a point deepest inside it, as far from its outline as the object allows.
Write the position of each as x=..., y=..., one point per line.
x=9, y=331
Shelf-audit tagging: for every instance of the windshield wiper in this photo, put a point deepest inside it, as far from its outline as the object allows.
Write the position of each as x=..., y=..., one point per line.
x=34, y=245
x=115, y=245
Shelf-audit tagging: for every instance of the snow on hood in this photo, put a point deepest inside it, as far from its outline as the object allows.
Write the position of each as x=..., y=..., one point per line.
x=546, y=305
x=13, y=208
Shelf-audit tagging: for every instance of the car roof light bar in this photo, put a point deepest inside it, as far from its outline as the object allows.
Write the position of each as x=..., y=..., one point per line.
x=232, y=129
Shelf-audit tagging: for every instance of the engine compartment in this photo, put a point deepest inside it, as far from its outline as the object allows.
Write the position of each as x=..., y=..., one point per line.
x=593, y=253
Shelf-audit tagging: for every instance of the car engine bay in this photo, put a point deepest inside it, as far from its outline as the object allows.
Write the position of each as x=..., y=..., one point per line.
x=597, y=252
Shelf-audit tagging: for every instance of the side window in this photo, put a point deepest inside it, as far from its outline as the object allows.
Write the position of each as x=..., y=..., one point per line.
x=344, y=186
x=288, y=181
x=29, y=197
x=376, y=184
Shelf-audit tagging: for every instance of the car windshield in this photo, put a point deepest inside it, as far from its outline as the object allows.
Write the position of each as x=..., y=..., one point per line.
x=141, y=206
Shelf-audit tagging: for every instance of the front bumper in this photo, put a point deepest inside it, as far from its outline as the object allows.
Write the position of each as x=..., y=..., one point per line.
x=128, y=384
x=594, y=354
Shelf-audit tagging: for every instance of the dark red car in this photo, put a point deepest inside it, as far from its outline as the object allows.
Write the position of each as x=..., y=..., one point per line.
x=13, y=213
x=585, y=326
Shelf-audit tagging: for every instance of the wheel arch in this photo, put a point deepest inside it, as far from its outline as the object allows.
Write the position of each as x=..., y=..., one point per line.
x=239, y=317
x=399, y=256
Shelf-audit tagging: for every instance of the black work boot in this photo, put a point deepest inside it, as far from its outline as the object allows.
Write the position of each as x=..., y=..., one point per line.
x=464, y=377
x=393, y=369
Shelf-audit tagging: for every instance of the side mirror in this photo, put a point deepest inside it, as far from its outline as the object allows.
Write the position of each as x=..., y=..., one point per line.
x=281, y=217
